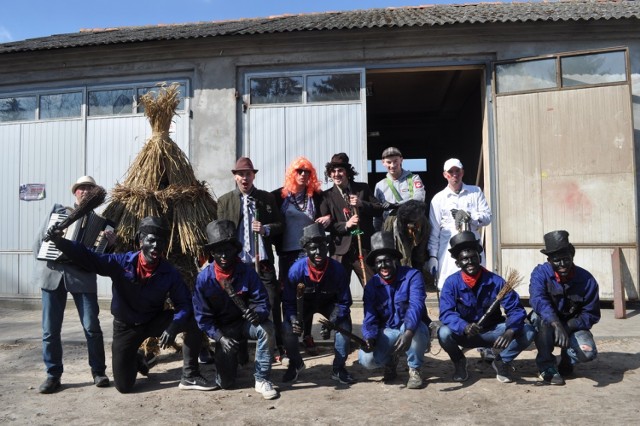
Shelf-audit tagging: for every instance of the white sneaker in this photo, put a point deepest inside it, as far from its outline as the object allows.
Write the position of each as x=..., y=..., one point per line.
x=265, y=387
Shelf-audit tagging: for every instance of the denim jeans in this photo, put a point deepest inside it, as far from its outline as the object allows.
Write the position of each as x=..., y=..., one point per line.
x=53, y=306
x=582, y=347
x=451, y=342
x=227, y=363
x=385, y=340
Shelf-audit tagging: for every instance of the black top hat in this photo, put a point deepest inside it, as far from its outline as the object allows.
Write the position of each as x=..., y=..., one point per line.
x=556, y=241
x=382, y=242
x=154, y=225
x=313, y=233
x=464, y=240
x=340, y=160
x=220, y=232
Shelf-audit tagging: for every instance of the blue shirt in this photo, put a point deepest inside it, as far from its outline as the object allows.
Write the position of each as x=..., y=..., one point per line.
x=391, y=305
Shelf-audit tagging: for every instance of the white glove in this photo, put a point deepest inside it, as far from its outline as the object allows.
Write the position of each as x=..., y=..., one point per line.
x=432, y=266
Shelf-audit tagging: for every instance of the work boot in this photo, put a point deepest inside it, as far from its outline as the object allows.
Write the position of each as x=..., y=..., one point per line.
x=503, y=370
x=415, y=379
x=51, y=385
x=460, y=374
x=101, y=380
x=390, y=372
x=550, y=376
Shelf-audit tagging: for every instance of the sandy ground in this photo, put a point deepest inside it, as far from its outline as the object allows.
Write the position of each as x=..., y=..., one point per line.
x=604, y=391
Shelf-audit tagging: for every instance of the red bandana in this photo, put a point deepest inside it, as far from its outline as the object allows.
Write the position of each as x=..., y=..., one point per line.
x=315, y=274
x=469, y=280
x=561, y=280
x=385, y=282
x=145, y=269
x=221, y=274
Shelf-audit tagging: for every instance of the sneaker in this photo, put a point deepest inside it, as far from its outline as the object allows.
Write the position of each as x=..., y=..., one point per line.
x=342, y=375
x=390, y=372
x=325, y=333
x=310, y=345
x=551, y=376
x=197, y=382
x=565, y=368
x=265, y=387
x=415, y=379
x=291, y=375
x=101, y=380
x=503, y=370
x=460, y=374
x=51, y=385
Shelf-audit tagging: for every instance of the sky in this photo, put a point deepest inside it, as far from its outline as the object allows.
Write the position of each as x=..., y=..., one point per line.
x=24, y=19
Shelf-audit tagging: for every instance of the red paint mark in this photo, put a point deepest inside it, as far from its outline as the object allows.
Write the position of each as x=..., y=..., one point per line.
x=574, y=198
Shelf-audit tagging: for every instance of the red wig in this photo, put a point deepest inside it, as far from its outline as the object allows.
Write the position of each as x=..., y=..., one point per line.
x=290, y=177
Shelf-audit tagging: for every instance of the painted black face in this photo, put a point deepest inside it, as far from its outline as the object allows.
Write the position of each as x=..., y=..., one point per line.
x=318, y=252
x=562, y=262
x=469, y=261
x=386, y=266
x=152, y=247
x=225, y=255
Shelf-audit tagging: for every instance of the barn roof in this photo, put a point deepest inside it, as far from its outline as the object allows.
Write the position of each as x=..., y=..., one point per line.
x=396, y=17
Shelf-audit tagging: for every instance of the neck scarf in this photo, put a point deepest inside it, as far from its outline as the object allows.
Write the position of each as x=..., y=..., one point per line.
x=471, y=281
x=145, y=269
x=316, y=274
x=221, y=274
x=564, y=280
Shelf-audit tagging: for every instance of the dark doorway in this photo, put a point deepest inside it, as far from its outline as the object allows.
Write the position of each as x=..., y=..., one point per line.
x=427, y=114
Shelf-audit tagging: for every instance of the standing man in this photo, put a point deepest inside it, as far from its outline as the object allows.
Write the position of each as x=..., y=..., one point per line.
x=57, y=279
x=398, y=187
x=352, y=208
x=566, y=304
x=231, y=305
x=393, y=311
x=453, y=209
x=465, y=298
x=257, y=219
x=141, y=282
x=326, y=291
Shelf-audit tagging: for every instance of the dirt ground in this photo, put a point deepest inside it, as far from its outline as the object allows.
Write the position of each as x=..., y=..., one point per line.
x=604, y=391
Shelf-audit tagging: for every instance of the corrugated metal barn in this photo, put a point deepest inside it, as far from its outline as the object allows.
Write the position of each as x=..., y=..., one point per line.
x=537, y=99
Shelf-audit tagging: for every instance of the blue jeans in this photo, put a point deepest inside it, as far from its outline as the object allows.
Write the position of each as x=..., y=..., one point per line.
x=385, y=340
x=451, y=342
x=582, y=347
x=53, y=305
x=227, y=363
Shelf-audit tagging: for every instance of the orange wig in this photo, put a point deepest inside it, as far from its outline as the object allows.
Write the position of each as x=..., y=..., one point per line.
x=290, y=177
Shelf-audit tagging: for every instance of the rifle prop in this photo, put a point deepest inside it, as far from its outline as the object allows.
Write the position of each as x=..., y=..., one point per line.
x=93, y=199
x=331, y=326
x=513, y=280
x=231, y=292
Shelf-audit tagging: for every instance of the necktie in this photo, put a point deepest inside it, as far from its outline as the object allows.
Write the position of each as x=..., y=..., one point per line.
x=247, y=228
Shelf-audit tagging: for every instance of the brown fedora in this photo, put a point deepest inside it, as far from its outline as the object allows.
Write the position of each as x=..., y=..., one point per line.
x=244, y=164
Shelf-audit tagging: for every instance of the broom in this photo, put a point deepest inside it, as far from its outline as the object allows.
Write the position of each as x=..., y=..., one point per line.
x=513, y=280
x=93, y=199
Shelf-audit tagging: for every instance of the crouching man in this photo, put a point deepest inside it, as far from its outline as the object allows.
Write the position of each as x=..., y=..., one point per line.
x=465, y=298
x=141, y=281
x=565, y=301
x=231, y=305
x=325, y=284
x=393, y=308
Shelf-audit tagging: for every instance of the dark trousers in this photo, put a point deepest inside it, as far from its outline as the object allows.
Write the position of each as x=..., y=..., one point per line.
x=351, y=263
x=127, y=338
x=274, y=290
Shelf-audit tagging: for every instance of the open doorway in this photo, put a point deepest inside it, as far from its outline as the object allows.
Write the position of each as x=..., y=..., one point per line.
x=430, y=115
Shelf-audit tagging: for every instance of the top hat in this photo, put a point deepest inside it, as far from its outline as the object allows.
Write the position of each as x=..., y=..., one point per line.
x=556, y=241
x=220, y=232
x=313, y=233
x=392, y=151
x=154, y=225
x=382, y=242
x=244, y=164
x=83, y=180
x=464, y=240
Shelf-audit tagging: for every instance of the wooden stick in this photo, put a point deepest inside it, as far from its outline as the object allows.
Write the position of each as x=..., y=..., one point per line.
x=331, y=326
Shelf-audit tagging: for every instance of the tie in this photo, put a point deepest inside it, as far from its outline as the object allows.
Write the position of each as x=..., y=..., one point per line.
x=247, y=228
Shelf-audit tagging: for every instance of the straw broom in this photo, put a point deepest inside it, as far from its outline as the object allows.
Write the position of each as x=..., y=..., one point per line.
x=513, y=280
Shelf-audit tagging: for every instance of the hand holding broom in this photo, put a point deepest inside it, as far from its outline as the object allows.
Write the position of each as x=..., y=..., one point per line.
x=331, y=326
x=513, y=280
x=93, y=199
x=248, y=313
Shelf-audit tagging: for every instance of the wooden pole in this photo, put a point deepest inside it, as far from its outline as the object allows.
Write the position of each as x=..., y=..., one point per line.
x=619, y=307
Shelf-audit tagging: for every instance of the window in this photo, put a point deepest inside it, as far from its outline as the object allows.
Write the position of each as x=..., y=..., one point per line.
x=143, y=90
x=272, y=90
x=18, y=108
x=61, y=105
x=333, y=87
x=111, y=102
x=608, y=67
x=526, y=76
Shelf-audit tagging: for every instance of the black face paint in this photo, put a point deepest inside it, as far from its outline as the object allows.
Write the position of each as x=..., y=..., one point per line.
x=561, y=263
x=386, y=266
x=317, y=252
x=225, y=255
x=469, y=261
x=152, y=247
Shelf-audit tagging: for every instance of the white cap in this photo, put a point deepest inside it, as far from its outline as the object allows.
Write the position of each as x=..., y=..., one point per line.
x=452, y=162
x=83, y=180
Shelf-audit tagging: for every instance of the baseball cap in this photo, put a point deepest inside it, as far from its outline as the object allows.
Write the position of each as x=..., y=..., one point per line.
x=452, y=162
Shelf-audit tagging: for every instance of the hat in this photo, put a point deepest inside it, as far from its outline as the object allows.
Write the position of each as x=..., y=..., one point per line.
x=220, y=232
x=452, y=162
x=154, y=225
x=340, y=160
x=243, y=164
x=464, y=240
x=392, y=151
x=556, y=241
x=83, y=180
x=313, y=233
x=382, y=243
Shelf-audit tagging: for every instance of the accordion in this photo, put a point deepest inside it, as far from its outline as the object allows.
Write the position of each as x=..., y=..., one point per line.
x=89, y=230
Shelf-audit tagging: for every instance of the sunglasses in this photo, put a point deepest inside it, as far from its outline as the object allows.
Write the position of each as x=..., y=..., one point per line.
x=302, y=171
